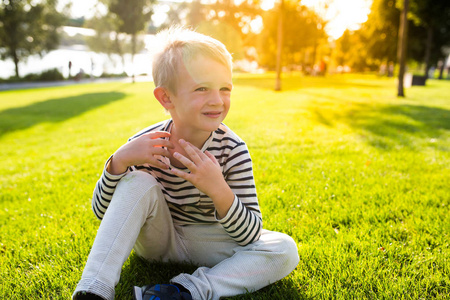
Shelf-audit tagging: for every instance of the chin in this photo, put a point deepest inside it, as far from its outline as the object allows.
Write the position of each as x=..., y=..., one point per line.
x=211, y=127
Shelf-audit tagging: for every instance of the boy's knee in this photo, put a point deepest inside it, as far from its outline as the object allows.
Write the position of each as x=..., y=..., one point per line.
x=286, y=247
x=137, y=183
x=291, y=251
x=138, y=179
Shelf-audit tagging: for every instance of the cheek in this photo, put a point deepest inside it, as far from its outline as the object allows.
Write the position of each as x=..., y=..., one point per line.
x=227, y=102
x=226, y=105
x=226, y=98
x=193, y=104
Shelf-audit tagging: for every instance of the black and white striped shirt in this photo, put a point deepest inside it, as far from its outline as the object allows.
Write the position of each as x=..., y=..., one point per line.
x=186, y=203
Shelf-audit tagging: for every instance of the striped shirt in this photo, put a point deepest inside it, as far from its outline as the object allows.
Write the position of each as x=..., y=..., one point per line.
x=186, y=203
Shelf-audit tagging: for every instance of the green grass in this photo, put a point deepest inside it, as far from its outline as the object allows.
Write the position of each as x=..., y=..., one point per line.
x=359, y=178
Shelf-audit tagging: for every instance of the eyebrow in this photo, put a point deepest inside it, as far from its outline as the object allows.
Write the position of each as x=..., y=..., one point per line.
x=227, y=84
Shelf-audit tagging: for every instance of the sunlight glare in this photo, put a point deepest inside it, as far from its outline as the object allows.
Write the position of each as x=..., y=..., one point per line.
x=160, y=14
x=256, y=25
x=346, y=14
x=341, y=14
x=267, y=4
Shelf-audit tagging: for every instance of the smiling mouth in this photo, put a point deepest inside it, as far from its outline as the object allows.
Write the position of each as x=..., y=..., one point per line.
x=213, y=114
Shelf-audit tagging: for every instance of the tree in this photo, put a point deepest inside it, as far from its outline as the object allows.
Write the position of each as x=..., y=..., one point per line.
x=351, y=51
x=239, y=16
x=428, y=33
x=343, y=51
x=108, y=40
x=196, y=13
x=224, y=20
x=132, y=17
x=302, y=32
x=225, y=33
x=402, y=45
x=280, y=32
x=433, y=17
x=28, y=28
x=380, y=32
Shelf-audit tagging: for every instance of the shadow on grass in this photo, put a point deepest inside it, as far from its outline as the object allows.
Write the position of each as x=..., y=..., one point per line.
x=388, y=126
x=140, y=272
x=53, y=110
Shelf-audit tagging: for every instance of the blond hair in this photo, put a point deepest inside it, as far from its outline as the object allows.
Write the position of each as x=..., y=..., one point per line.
x=181, y=45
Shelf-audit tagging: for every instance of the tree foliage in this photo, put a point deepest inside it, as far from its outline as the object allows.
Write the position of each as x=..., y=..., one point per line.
x=28, y=28
x=228, y=35
x=351, y=51
x=303, y=31
x=132, y=15
x=107, y=39
x=380, y=33
x=129, y=17
x=429, y=33
x=431, y=29
x=224, y=20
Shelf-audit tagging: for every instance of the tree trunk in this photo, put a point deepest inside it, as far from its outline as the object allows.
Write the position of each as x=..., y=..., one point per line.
x=119, y=51
x=441, y=69
x=314, y=54
x=133, y=52
x=401, y=49
x=16, y=63
x=279, y=46
x=428, y=50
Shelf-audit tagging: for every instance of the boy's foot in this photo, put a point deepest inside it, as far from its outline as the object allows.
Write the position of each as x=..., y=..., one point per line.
x=160, y=292
x=86, y=296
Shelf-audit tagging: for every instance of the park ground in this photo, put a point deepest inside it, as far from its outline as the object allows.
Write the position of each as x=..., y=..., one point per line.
x=358, y=177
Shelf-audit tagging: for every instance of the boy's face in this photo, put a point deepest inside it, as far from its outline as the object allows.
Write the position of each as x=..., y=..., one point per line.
x=203, y=93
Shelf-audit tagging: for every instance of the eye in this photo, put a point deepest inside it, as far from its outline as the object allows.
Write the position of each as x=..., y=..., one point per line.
x=225, y=89
x=200, y=89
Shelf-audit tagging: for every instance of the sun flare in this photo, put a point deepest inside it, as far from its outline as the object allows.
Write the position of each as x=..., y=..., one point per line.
x=341, y=14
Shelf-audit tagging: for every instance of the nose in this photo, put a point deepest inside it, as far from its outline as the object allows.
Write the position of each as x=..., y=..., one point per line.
x=215, y=98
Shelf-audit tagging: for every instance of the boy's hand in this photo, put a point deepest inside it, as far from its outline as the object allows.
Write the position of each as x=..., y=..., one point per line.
x=141, y=150
x=205, y=175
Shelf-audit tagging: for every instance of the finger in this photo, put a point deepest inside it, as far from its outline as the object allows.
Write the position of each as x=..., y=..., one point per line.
x=156, y=161
x=158, y=139
x=160, y=151
x=185, y=161
x=211, y=157
x=158, y=134
x=191, y=150
x=180, y=173
x=162, y=143
x=159, y=164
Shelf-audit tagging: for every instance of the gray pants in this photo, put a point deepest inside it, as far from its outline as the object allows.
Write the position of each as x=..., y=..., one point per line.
x=138, y=217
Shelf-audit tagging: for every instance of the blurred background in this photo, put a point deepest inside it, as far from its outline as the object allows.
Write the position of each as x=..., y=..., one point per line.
x=58, y=40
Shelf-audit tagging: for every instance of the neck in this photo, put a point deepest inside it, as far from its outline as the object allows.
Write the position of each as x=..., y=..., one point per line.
x=197, y=138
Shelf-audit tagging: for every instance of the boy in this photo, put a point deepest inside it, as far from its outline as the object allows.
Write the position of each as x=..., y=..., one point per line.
x=183, y=189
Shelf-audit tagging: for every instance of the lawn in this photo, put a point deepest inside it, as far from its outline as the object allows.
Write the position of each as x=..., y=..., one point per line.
x=358, y=177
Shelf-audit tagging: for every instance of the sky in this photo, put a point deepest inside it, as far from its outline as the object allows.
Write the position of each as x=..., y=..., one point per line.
x=342, y=14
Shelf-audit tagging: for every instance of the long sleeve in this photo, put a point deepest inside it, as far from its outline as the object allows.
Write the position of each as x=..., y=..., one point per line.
x=103, y=192
x=106, y=185
x=243, y=221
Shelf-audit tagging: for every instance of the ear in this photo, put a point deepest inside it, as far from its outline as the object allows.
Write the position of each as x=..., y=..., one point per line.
x=163, y=97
